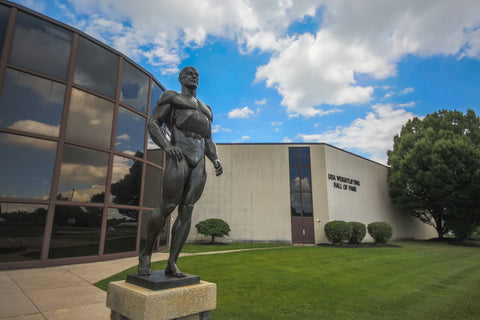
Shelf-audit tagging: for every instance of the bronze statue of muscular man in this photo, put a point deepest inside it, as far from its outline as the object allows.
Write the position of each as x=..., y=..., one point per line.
x=190, y=124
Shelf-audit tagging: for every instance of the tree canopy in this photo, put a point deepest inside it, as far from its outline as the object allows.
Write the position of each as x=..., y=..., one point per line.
x=213, y=227
x=435, y=170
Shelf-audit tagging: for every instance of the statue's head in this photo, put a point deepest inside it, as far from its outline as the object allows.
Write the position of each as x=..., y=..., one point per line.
x=189, y=77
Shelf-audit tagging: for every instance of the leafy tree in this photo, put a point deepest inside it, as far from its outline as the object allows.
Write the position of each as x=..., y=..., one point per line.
x=435, y=170
x=213, y=228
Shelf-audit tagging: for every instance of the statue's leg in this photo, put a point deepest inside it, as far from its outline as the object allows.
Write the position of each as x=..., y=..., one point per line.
x=173, y=184
x=193, y=190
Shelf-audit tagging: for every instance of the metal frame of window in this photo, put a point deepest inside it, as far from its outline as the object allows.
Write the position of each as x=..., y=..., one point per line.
x=61, y=141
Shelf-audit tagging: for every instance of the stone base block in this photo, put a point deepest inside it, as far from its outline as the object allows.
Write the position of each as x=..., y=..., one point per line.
x=128, y=301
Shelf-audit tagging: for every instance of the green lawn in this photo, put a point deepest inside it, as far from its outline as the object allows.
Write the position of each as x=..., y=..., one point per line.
x=420, y=280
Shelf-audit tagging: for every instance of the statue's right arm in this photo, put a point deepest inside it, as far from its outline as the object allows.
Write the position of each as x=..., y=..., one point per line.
x=161, y=114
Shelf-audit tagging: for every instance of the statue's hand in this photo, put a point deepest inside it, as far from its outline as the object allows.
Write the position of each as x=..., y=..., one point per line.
x=218, y=167
x=175, y=152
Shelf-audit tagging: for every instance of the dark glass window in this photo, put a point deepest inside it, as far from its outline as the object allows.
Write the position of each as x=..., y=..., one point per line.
x=31, y=104
x=126, y=181
x=4, y=14
x=96, y=68
x=134, y=88
x=130, y=134
x=300, y=182
x=83, y=175
x=90, y=119
x=75, y=232
x=41, y=46
x=305, y=178
x=152, y=187
x=26, y=166
x=21, y=231
x=121, y=236
x=156, y=93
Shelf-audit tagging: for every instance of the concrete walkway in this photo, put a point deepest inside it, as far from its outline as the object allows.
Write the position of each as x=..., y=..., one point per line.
x=60, y=293
x=66, y=292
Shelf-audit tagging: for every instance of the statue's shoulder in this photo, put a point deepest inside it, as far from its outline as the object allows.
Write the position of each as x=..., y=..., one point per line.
x=167, y=97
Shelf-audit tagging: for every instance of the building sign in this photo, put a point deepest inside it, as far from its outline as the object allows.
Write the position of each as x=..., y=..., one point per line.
x=344, y=183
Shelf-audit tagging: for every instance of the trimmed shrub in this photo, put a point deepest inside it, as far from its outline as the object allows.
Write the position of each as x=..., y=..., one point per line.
x=359, y=230
x=381, y=232
x=337, y=232
x=213, y=227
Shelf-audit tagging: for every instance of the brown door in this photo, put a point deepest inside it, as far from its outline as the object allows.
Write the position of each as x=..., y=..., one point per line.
x=302, y=230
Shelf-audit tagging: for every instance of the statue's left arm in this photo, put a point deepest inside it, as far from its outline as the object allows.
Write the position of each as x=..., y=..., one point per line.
x=212, y=154
x=211, y=150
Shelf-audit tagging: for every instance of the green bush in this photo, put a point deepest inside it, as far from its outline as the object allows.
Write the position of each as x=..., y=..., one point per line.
x=337, y=232
x=381, y=232
x=358, y=232
x=462, y=229
x=213, y=227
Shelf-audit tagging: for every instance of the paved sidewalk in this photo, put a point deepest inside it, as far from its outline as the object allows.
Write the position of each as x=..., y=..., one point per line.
x=66, y=292
x=60, y=293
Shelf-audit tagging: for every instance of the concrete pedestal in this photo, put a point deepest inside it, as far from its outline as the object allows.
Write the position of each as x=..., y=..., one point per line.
x=131, y=302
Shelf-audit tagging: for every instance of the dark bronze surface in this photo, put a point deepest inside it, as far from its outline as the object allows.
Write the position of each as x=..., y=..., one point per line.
x=189, y=121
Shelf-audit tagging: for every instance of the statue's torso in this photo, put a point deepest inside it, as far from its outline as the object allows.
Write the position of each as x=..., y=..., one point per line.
x=191, y=125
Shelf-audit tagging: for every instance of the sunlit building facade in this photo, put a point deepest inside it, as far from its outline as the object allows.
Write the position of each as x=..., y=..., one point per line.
x=78, y=179
x=75, y=174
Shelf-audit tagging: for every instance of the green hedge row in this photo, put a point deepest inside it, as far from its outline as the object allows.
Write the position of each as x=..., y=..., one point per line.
x=339, y=232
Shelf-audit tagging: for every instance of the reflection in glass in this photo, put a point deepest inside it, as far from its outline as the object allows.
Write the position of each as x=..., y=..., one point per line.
x=152, y=186
x=155, y=95
x=304, y=156
x=89, y=119
x=130, y=134
x=126, y=181
x=96, y=68
x=31, y=104
x=26, y=166
x=52, y=46
x=75, y=232
x=305, y=179
x=121, y=233
x=307, y=205
x=21, y=231
x=155, y=156
x=82, y=175
x=134, y=87
x=296, y=204
x=4, y=14
x=293, y=156
x=294, y=180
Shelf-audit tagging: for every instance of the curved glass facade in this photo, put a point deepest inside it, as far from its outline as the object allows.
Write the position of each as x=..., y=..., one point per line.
x=75, y=173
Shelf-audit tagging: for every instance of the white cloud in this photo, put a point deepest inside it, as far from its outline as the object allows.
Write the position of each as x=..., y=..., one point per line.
x=160, y=30
x=308, y=70
x=407, y=90
x=217, y=128
x=276, y=123
x=366, y=37
x=407, y=104
x=36, y=127
x=260, y=102
x=242, y=113
x=243, y=138
x=372, y=134
x=124, y=136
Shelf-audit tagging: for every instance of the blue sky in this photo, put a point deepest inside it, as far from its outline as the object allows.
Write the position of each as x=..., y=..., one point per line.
x=345, y=73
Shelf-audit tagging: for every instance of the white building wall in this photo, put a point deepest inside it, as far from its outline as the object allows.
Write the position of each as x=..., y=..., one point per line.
x=371, y=201
x=252, y=195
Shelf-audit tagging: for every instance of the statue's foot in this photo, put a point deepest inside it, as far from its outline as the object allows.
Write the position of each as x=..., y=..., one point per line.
x=144, y=265
x=173, y=271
